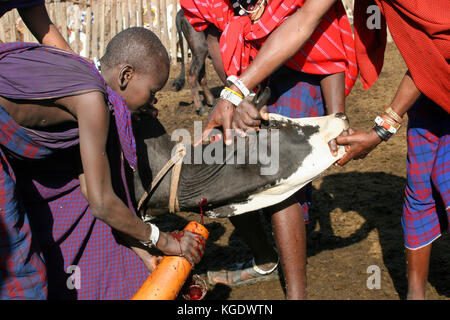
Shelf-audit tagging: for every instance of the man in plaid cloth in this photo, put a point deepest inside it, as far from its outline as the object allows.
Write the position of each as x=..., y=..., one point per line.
x=312, y=83
x=423, y=94
x=66, y=144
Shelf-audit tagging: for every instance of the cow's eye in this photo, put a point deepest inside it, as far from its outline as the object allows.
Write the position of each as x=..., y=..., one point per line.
x=272, y=125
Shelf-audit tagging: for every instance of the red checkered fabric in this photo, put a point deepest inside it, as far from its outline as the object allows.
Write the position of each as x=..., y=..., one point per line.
x=423, y=23
x=6, y=6
x=329, y=50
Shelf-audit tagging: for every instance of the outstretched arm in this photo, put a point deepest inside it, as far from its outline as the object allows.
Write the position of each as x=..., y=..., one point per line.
x=362, y=143
x=38, y=22
x=281, y=44
x=93, y=123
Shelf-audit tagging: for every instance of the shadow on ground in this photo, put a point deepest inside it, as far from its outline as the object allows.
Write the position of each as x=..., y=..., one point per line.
x=376, y=197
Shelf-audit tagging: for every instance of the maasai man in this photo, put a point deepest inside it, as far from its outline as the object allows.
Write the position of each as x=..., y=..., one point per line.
x=65, y=131
x=423, y=93
x=314, y=82
x=35, y=16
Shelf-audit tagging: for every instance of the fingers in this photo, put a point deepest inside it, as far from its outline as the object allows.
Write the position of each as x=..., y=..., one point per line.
x=193, y=247
x=344, y=160
x=227, y=133
x=249, y=109
x=333, y=147
x=343, y=140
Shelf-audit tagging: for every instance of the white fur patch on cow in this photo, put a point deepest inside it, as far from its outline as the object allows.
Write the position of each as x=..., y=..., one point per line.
x=312, y=167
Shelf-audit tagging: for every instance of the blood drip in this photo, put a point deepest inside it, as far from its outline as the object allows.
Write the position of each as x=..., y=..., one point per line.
x=195, y=289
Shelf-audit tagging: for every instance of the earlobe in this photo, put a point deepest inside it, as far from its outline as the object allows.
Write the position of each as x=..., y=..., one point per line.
x=125, y=75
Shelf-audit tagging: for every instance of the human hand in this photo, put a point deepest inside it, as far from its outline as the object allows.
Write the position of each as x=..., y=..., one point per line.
x=334, y=145
x=182, y=243
x=358, y=144
x=220, y=116
x=151, y=262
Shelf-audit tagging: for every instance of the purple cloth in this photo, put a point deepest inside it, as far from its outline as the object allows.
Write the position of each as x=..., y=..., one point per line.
x=297, y=95
x=46, y=192
x=426, y=211
x=6, y=6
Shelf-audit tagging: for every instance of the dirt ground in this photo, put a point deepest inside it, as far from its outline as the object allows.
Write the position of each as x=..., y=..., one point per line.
x=355, y=219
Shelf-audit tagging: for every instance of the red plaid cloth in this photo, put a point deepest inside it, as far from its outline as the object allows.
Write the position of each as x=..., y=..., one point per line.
x=420, y=30
x=329, y=50
x=426, y=212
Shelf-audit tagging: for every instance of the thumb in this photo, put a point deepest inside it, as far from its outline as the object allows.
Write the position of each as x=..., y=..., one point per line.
x=343, y=140
x=264, y=112
x=227, y=132
x=346, y=158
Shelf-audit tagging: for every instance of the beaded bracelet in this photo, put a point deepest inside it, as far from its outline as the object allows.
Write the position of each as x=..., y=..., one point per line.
x=382, y=132
x=393, y=114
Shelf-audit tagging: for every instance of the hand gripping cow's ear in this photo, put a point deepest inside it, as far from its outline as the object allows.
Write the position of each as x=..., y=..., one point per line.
x=125, y=75
x=262, y=97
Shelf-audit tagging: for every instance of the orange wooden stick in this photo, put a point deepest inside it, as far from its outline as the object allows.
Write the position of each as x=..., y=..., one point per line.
x=166, y=281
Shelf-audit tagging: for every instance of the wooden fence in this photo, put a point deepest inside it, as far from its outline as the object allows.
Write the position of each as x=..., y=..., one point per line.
x=88, y=25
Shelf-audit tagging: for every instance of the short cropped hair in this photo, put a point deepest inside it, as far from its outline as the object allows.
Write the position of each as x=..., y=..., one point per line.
x=138, y=47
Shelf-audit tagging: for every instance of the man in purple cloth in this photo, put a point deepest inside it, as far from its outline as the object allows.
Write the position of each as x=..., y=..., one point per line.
x=65, y=132
x=35, y=16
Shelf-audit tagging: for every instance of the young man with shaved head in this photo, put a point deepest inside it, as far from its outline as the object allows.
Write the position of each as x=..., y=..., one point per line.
x=420, y=29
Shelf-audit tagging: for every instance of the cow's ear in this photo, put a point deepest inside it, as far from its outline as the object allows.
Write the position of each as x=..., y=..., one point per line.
x=126, y=73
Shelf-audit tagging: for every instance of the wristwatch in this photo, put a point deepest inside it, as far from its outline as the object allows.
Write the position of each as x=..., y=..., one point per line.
x=230, y=96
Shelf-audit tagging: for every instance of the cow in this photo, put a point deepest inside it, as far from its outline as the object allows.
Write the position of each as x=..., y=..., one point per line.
x=237, y=187
x=197, y=70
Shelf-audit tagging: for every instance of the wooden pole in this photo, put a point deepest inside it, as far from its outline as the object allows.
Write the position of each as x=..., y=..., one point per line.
x=2, y=30
x=158, y=19
x=140, y=16
x=14, y=33
x=173, y=32
x=132, y=12
x=51, y=10
x=88, y=29
x=102, y=26
x=163, y=26
x=113, y=19
x=126, y=19
x=186, y=51
x=76, y=31
x=119, y=18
